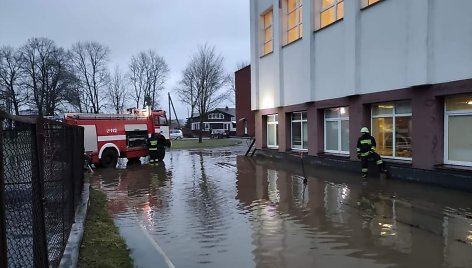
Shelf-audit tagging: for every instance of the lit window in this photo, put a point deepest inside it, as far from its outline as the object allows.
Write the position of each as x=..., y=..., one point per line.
x=391, y=128
x=457, y=129
x=267, y=46
x=366, y=3
x=294, y=20
x=272, y=131
x=337, y=130
x=331, y=11
x=299, y=131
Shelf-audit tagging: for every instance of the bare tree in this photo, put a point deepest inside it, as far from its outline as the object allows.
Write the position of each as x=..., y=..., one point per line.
x=148, y=73
x=187, y=89
x=46, y=74
x=117, y=92
x=10, y=71
x=90, y=61
x=209, y=80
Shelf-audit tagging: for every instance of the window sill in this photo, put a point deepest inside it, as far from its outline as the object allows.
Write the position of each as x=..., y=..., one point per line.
x=397, y=162
x=371, y=5
x=448, y=167
x=294, y=41
x=334, y=155
x=327, y=26
x=267, y=54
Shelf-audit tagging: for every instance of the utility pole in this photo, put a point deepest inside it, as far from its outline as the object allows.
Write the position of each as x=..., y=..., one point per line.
x=173, y=109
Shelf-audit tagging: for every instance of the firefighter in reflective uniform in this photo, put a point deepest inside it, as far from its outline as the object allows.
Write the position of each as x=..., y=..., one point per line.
x=161, y=144
x=366, y=150
x=152, y=147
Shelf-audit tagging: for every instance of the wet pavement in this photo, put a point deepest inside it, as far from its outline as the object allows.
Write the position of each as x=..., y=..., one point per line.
x=216, y=208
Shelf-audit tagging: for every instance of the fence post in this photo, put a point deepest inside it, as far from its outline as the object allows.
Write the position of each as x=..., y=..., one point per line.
x=3, y=230
x=40, y=252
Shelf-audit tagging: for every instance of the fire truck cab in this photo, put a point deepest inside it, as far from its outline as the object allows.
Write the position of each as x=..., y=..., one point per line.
x=110, y=136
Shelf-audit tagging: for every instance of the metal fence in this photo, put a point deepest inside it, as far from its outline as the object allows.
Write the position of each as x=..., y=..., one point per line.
x=41, y=179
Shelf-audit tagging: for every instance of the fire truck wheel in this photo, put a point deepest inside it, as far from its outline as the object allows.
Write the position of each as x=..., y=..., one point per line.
x=109, y=158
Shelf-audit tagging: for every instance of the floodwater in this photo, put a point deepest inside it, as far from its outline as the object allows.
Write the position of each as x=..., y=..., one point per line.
x=216, y=208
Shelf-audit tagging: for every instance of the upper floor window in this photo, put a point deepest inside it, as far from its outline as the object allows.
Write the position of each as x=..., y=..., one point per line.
x=366, y=3
x=294, y=20
x=331, y=11
x=216, y=116
x=268, y=45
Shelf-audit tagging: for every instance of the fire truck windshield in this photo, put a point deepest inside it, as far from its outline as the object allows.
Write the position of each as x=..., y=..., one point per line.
x=160, y=120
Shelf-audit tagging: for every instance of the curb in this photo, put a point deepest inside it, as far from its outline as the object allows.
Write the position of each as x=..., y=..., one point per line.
x=71, y=252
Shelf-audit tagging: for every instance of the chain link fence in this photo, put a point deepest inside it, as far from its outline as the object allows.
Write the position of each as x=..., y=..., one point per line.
x=41, y=179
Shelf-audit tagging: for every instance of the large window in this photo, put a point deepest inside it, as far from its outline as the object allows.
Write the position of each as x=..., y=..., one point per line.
x=299, y=131
x=294, y=20
x=458, y=129
x=331, y=11
x=267, y=46
x=272, y=131
x=391, y=128
x=366, y=3
x=337, y=130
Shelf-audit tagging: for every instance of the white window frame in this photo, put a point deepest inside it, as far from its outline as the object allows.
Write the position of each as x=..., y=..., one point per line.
x=446, y=135
x=264, y=29
x=216, y=116
x=393, y=115
x=301, y=121
x=366, y=3
x=338, y=119
x=335, y=5
x=276, y=123
x=298, y=24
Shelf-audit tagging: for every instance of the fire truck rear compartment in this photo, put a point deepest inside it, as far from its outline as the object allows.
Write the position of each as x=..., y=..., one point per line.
x=136, y=138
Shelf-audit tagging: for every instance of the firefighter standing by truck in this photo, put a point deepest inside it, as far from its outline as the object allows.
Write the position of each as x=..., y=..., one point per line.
x=366, y=150
x=156, y=145
x=152, y=147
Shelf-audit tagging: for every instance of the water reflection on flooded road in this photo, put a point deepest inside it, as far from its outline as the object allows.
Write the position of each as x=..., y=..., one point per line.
x=217, y=209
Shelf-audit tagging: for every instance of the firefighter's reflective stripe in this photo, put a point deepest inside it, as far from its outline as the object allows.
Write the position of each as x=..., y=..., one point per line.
x=365, y=154
x=379, y=162
x=364, y=170
x=366, y=142
x=372, y=149
x=153, y=145
x=358, y=149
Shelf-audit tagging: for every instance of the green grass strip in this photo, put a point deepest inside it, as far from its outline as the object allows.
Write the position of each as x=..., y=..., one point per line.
x=102, y=245
x=206, y=143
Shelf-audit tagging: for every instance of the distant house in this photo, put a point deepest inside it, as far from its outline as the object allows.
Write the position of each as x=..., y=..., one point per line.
x=217, y=119
x=244, y=116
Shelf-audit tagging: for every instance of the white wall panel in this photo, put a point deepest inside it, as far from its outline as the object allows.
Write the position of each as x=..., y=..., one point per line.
x=383, y=46
x=452, y=40
x=329, y=63
x=296, y=72
x=268, y=93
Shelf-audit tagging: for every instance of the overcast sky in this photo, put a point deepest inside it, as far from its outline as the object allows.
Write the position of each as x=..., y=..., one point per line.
x=173, y=28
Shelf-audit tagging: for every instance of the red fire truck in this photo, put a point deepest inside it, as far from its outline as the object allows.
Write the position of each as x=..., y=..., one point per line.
x=109, y=136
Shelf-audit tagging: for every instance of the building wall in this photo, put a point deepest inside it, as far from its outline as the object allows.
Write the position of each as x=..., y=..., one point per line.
x=390, y=45
x=244, y=115
x=420, y=51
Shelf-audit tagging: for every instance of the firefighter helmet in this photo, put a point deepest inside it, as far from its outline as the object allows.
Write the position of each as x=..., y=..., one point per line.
x=364, y=130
